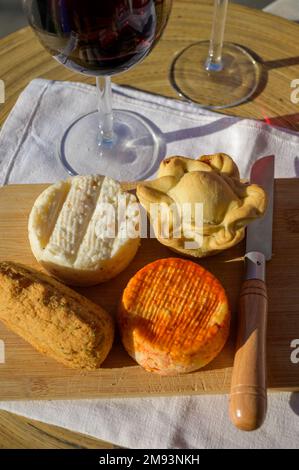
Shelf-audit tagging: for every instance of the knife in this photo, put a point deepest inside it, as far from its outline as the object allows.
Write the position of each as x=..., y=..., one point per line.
x=248, y=395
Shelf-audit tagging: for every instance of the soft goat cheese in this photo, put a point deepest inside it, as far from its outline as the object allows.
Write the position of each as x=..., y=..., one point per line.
x=84, y=230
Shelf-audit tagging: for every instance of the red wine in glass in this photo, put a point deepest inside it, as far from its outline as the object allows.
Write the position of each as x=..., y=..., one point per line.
x=98, y=37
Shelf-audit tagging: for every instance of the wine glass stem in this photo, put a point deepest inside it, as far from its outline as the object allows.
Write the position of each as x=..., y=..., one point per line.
x=214, y=61
x=105, y=110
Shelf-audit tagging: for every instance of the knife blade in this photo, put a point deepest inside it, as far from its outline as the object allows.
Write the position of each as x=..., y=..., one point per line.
x=259, y=232
x=248, y=396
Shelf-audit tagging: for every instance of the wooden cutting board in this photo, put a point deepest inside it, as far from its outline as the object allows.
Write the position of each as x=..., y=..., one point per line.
x=26, y=374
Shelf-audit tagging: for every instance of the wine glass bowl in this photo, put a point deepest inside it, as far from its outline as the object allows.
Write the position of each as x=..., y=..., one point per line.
x=103, y=38
x=96, y=37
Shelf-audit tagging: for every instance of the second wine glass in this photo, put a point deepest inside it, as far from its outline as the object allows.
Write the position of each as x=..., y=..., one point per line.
x=215, y=74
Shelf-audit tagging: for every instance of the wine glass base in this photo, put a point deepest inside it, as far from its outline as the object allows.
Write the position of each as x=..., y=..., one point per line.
x=232, y=85
x=134, y=153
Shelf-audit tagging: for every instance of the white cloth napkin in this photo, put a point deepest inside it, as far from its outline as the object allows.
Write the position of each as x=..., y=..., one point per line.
x=30, y=136
x=287, y=8
x=28, y=145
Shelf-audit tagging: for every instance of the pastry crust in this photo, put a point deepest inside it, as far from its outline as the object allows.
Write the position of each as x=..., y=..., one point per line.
x=228, y=203
x=54, y=319
x=174, y=317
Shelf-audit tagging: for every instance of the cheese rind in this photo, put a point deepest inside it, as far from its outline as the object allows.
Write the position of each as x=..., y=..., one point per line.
x=54, y=319
x=77, y=232
x=173, y=317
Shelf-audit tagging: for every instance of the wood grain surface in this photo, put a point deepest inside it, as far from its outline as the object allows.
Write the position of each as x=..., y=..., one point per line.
x=26, y=374
x=274, y=41
x=17, y=432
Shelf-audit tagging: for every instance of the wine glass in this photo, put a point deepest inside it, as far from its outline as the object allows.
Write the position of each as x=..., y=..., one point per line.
x=102, y=38
x=214, y=74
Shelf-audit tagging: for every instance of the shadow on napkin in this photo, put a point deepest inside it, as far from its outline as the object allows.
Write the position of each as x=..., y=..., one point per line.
x=294, y=402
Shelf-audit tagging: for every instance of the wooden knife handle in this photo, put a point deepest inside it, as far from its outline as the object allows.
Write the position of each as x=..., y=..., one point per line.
x=248, y=396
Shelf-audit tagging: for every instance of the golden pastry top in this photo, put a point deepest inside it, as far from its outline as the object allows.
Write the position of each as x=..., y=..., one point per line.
x=228, y=202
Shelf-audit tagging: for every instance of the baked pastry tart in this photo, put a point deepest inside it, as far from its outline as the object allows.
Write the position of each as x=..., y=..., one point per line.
x=212, y=183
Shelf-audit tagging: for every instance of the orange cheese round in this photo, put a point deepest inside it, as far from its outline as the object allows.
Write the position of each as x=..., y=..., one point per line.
x=173, y=317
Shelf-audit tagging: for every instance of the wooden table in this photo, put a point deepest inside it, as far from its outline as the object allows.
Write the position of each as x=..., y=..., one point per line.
x=273, y=40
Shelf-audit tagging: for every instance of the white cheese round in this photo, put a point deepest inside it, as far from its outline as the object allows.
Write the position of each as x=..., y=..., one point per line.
x=84, y=230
